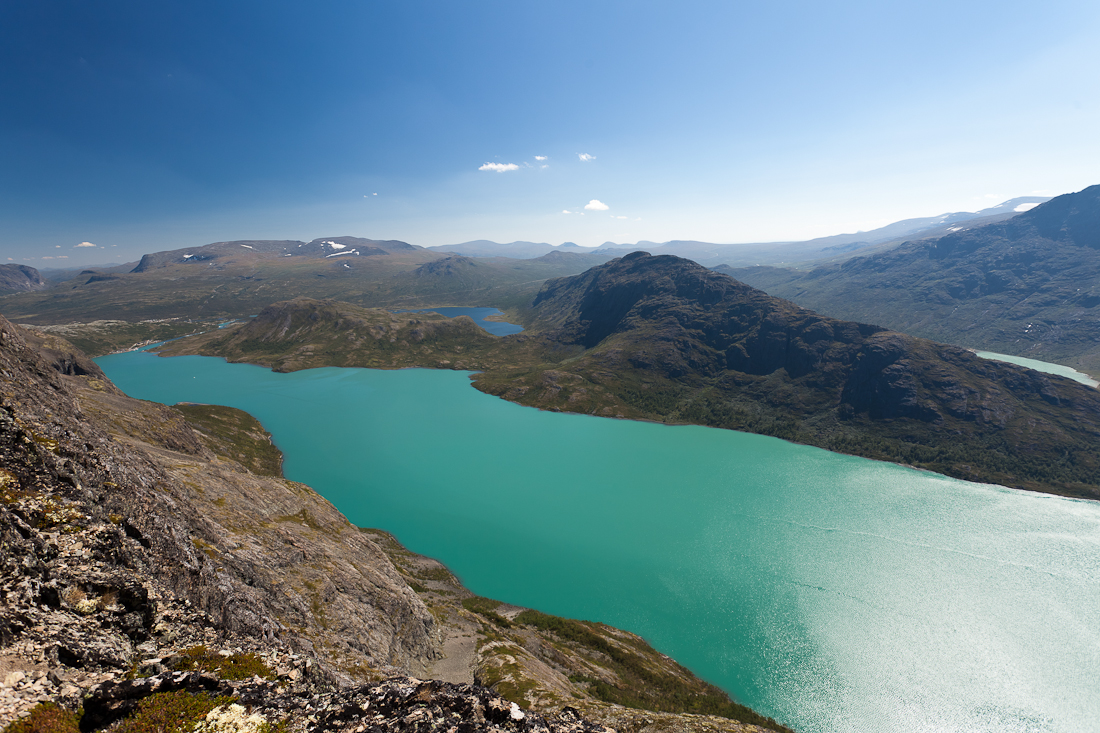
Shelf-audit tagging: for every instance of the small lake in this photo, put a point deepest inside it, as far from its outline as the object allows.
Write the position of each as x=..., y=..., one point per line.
x=497, y=328
x=1041, y=366
x=836, y=594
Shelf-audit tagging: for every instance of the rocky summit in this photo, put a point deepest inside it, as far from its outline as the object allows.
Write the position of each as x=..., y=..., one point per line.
x=155, y=566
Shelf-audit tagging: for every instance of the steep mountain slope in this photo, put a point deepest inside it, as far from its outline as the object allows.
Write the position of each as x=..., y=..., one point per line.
x=152, y=558
x=20, y=278
x=663, y=337
x=1028, y=286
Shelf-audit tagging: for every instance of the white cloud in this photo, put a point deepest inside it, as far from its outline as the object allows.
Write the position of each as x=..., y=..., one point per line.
x=85, y=244
x=596, y=205
x=499, y=167
x=585, y=157
x=617, y=217
x=566, y=211
x=1025, y=207
x=540, y=157
x=57, y=246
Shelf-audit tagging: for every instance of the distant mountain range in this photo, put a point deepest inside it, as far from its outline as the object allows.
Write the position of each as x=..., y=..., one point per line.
x=759, y=253
x=1028, y=285
x=239, y=278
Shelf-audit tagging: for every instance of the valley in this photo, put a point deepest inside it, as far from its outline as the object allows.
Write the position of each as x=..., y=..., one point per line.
x=641, y=337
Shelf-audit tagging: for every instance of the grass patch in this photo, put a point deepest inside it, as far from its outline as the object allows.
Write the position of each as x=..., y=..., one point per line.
x=171, y=712
x=242, y=666
x=47, y=717
x=486, y=607
x=236, y=435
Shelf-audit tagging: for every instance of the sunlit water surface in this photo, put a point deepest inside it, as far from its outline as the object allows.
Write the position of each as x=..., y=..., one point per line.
x=831, y=592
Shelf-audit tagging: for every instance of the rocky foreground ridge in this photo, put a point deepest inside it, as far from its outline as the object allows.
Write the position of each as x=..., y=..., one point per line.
x=155, y=567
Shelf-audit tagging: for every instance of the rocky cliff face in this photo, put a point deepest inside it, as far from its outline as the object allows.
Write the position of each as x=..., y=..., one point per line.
x=145, y=572
x=20, y=278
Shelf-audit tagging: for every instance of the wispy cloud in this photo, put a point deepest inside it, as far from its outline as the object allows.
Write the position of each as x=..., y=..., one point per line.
x=596, y=205
x=84, y=244
x=618, y=217
x=499, y=167
x=585, y=157
x=564, y=211
x=540, y=157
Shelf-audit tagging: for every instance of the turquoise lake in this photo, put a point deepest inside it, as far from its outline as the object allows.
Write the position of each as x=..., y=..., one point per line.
x=830, y=592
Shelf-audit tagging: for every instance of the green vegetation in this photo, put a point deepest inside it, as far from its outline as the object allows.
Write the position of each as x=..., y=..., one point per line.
x=239, y=666
x=236, y=435
x=643, y=684
x=486, y=607
x=46, y=717
x=108, y=336
x=171, y=712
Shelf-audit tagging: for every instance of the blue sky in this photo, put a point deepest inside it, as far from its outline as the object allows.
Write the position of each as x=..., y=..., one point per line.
x=139, y=126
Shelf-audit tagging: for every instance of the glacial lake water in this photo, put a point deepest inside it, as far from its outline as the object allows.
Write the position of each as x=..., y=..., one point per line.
x=1041, y=366
x=833, y=593
x=497, y=328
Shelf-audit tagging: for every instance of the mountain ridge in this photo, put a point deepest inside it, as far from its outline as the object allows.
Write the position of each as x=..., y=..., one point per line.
x=712, y=254
x=1028, y=286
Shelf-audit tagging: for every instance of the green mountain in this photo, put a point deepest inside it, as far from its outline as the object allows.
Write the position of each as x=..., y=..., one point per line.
x=1028, y=286
x=663, y=338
